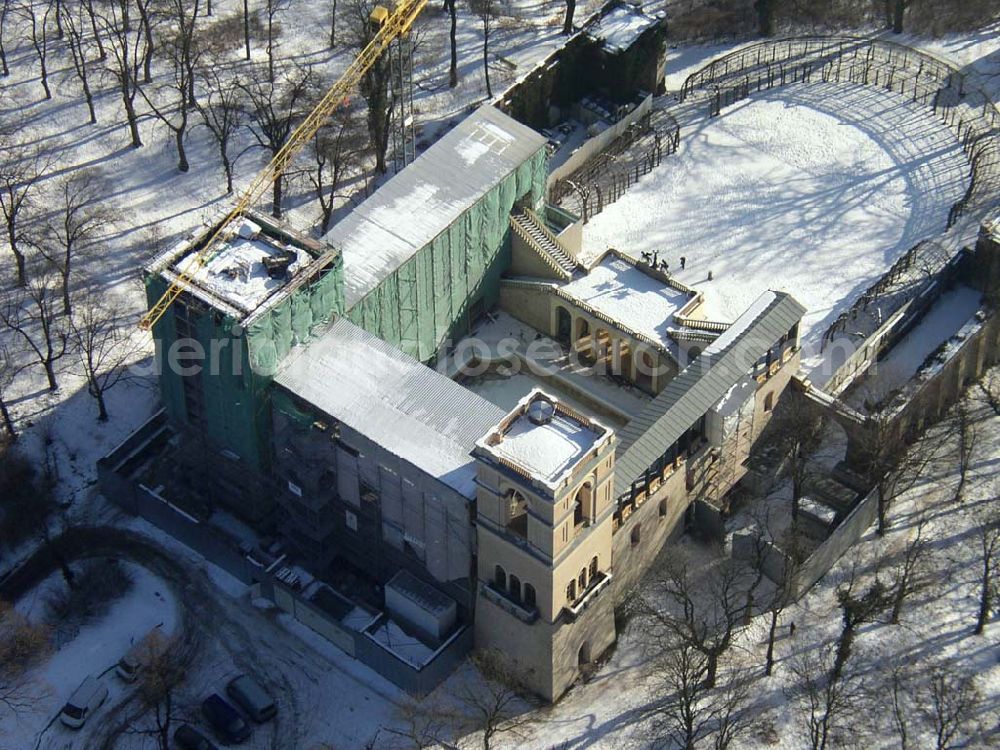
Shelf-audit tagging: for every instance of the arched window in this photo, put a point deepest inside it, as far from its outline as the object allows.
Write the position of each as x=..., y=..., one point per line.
x=529, y=595
x=583, y=656
x=500, y=578
x=571, y=592
x=583, y=508
x=582, y=579
x=769, y=401
x=663, y=508
x=515, y=588
x=517, y=513
x=593, y=568
x=636, y=534
x=564, y=325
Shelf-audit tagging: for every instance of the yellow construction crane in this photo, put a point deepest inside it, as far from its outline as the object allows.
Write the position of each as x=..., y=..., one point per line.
x=391, y=25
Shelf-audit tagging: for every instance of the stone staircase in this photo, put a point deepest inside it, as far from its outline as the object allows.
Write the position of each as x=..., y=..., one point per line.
x=543, y=241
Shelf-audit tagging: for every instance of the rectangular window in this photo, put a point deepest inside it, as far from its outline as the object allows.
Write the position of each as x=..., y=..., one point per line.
x=351, y=520
x=294, y=489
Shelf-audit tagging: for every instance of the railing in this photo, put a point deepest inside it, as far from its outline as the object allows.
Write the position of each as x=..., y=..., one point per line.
x=963, y=106
x=716, y=326
x=548, y=233
x=521, y=232
x=503, y=600
x=588, y=596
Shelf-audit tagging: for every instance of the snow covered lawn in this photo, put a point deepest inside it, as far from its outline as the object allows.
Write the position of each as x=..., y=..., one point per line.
x=811, y=189
x=94, y=650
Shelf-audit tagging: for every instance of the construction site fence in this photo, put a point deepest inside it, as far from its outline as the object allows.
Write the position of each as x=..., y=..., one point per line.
x=953, y=95
x=607, y=175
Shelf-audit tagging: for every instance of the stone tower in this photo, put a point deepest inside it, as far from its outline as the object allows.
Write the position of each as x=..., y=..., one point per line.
x=544, y=523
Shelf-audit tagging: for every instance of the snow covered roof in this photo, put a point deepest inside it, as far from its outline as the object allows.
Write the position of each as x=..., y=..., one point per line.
x=233, y=277
x=544, y=438
x=702, y=384
x=627, y=294
x=409, y=409
x=621, y=27
x=423, y=200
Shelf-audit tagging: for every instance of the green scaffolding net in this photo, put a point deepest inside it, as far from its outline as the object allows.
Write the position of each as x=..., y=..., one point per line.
x=433, y=295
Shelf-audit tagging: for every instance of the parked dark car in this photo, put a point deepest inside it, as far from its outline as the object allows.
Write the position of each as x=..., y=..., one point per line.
x=249, y=695
x=227, y=722
x=188, y=738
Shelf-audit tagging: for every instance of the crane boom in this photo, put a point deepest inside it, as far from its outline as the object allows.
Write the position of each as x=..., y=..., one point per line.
x=395, y=25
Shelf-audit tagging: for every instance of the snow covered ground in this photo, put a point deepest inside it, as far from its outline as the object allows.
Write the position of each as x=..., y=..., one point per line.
x=811, y=189
x=94, y=650
x=615, y=709
x=333, y=698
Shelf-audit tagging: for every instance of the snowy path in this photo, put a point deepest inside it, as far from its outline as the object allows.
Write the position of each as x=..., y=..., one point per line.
x=813, y=189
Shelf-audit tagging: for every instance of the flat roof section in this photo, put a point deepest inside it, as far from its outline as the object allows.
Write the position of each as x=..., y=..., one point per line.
x=621, y=27
x=543, y=438
x=236, y=272
x=627, y=294
x=410, y=410
x=415, y=206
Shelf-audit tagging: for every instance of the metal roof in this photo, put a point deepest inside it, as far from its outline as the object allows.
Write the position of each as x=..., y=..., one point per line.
x=423, y=200
x=407, y=408
x=700, y=385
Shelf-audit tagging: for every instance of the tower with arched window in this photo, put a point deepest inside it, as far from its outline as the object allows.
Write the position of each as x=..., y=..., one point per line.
x=544, y=525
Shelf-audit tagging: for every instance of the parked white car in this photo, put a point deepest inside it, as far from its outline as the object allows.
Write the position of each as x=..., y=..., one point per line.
x=145, y=650
x=85, y=700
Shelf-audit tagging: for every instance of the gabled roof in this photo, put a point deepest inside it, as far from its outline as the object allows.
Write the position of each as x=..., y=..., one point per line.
x=407, y=408
x=700, y=385
x=423, y=200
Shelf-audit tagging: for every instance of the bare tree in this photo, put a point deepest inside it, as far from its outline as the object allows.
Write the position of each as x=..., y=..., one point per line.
x=831, y=697
x=711, y=608
x=5, y=14
x=38, y=26
x=987, y=536
x=855, y=610
x=22, y=643
x=246, y=27
x=183, y=54
x=222, y=113
x=486, y=12
x=450, y=6
x=685, y=716
x=908, y=575
x=32, y=313
x=793, y=434
x=276, y=109
x=158, y=684
x=989, y=386
x=336, y=148
x=128, y=44
x=79, y=218
x=424, y=724
x=333, y=24
x=102, y=54
x=490, y=698
x=895, y=13
x=8, y=371
x=568, y=18
x=967, y=430
x=273, y=29
x=105, y=345
x=147, y=19
x=374, y=84
x=765, y=16
x=950, y=702
x=891, y=463
x=79, y=48
x=900, y=704
x=21, y=171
